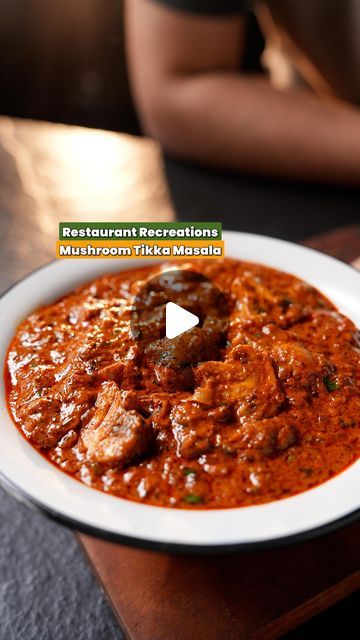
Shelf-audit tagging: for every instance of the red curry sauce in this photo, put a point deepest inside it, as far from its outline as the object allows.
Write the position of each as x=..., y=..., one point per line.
x=261, y=410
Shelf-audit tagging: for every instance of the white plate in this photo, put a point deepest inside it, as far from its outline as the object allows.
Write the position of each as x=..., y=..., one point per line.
x=40, y=484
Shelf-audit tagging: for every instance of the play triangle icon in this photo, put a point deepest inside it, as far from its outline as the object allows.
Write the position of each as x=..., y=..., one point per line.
x=178, y=320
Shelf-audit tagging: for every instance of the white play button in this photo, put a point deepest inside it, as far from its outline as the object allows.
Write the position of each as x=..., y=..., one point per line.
x=178, y=320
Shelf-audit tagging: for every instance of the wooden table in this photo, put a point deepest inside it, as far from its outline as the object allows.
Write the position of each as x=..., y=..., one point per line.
x=259, y=595
x=51, y=173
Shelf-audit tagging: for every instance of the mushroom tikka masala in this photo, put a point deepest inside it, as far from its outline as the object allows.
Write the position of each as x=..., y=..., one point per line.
x=258, y=402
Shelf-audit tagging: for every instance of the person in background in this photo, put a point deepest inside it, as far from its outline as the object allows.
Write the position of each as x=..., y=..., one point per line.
x=300, y=120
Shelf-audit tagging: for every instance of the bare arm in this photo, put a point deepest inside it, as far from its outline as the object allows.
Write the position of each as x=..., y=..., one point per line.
x=191, y=97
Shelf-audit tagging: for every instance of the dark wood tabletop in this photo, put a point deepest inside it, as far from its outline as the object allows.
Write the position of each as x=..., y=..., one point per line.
x=50, y=173
x=254, y=596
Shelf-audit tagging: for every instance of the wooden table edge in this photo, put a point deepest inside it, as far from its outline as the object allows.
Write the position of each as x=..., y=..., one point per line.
x=310, y=608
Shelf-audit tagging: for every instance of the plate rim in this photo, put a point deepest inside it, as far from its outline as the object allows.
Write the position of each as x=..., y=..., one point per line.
x=175, y=547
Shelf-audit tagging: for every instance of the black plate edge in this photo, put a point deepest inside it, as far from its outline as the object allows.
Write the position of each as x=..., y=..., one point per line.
x=167, y=547
x=172, y=547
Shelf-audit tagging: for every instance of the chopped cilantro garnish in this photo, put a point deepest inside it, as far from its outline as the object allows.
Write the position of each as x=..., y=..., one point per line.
x=330, y=384
x=193, y=498
x=189, y=472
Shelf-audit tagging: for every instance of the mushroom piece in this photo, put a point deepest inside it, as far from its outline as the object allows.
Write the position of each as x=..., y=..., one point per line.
x=115, y=436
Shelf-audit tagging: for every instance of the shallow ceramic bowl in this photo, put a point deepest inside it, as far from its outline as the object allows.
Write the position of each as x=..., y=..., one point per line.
x=40, y=484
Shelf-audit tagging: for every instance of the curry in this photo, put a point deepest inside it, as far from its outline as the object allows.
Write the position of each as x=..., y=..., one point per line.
x=259, y=402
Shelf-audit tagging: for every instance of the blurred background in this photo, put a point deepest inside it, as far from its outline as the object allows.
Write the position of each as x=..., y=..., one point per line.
x=64, y=61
